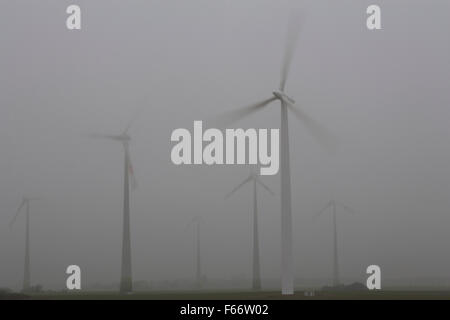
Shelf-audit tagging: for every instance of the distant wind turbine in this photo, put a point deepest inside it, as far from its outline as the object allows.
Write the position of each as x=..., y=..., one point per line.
x=26, y=270
x=198, y=263
x=254, y=179
x=318, y=132
x=334, y=204
x=126, y=285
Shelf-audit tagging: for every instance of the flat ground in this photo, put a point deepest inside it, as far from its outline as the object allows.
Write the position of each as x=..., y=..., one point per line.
x=248, y=295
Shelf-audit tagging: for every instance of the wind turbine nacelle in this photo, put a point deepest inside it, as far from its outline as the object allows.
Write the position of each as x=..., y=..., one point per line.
x=284, y=97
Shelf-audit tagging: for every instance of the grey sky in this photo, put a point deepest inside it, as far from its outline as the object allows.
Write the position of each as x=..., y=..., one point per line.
x=384, y=94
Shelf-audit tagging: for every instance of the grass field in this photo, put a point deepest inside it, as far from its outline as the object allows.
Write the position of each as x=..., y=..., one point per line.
x=249, y=295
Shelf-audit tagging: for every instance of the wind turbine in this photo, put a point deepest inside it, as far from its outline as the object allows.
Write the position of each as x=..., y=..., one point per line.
x=26, y=270
x=334, y=204
x=318, y=132
x=198, y=265
x=254, y=179
x=126, y=285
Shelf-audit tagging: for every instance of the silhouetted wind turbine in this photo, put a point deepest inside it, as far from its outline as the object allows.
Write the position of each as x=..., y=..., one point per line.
x=254, y=179
x=334, y=204
x=198, y=264
x=126, y=272
x=26, y=270
x=318, y=132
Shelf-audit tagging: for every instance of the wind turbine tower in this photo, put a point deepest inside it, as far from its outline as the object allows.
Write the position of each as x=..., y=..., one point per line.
x=254, y=180
x=26, y=270
x=333, y=204
x=126, y=285
x=198, y=263
x=317, y=131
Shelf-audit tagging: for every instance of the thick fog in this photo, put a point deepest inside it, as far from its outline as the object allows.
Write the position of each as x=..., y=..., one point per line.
x=383, y=94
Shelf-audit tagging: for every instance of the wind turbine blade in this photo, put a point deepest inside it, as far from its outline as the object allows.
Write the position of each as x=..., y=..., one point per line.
x=323, y=210
x=133, y=119
x=349, y=210
x=17, y=213
x=294, y=26
x=258, y=180
x=346, y=208
x=237, y=187
x=102, y=136
x=320, y=133
x=234, y=115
